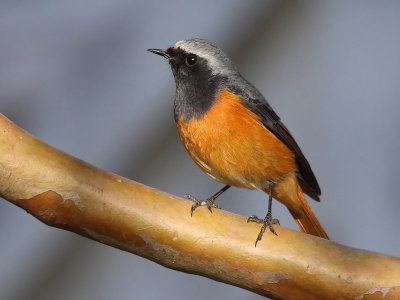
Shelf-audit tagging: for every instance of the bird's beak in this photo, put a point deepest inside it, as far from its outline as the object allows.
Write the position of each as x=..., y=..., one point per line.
x=161, y=52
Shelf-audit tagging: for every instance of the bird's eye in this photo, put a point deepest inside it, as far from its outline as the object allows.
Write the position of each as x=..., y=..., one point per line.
x=191, y=60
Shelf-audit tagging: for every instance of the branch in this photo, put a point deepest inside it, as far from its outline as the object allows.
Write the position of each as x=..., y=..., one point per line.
x=65, y=192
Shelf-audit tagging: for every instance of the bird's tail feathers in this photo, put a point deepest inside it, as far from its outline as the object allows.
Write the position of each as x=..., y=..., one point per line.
x=307, y=222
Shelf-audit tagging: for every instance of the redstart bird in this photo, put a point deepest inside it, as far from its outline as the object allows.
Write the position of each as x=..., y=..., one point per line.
x=234, y=136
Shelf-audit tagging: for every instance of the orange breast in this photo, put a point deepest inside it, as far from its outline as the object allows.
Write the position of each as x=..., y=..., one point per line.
x=231, y=144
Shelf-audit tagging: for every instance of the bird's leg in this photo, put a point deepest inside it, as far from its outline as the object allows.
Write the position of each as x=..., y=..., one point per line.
x=267, y=221
x=209, y=202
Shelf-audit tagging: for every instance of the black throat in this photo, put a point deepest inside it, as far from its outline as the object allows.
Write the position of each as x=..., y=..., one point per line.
x=195, y=97
x=196, y=86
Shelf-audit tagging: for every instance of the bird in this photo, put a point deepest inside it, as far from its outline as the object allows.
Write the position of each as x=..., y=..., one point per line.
x=232, y=133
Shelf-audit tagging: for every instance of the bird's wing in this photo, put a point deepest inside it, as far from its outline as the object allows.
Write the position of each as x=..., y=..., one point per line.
x=255, y=102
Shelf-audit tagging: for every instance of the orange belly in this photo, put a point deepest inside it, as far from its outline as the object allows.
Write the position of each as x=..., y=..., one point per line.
x=231, y=145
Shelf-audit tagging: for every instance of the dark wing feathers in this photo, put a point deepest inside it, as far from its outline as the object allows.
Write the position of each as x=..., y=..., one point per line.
x=255, y=102
x=305, y=175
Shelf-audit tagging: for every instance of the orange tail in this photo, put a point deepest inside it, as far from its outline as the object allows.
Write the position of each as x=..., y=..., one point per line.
x=308, y=222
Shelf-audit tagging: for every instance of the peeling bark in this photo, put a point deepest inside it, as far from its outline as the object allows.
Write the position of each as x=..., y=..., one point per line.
x=68, y=193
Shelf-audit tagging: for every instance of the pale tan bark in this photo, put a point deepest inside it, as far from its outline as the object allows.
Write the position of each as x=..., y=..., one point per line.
x=65, y=192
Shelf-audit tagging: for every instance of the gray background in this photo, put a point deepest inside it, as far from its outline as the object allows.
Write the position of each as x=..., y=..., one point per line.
x=76, y=75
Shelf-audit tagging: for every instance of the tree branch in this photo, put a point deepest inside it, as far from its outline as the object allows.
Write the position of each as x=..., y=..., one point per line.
x=65, y=192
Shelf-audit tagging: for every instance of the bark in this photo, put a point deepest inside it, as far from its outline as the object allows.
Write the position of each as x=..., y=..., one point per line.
x=65, y=192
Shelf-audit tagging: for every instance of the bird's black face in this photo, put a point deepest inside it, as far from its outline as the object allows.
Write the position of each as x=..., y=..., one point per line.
x=196, y=85
x=188, y=68
x=200, y=70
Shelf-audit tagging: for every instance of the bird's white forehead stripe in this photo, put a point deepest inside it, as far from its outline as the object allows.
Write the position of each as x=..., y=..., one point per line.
x=216, y=63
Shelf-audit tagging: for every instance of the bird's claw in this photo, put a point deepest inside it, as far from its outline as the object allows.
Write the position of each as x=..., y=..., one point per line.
x=208, y=202
x=267, y=221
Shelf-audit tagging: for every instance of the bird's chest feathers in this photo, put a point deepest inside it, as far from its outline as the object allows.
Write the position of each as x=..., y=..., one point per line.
x=229, y=143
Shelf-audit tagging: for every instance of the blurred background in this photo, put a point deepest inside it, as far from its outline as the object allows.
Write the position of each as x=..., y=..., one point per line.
x=76, y=74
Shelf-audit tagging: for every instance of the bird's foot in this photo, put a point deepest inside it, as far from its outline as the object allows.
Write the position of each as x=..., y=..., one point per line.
x=267, y=221
x=208, y=202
